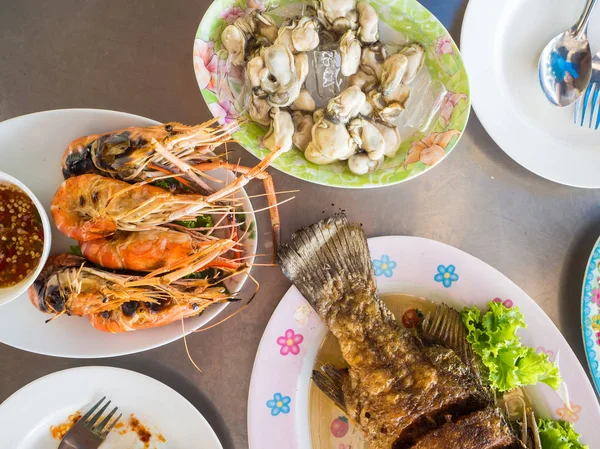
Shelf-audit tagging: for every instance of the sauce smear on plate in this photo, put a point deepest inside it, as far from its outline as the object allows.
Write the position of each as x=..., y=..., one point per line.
x=21, y=235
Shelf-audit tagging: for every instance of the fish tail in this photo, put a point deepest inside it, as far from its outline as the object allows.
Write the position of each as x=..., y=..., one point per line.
x=326, y=259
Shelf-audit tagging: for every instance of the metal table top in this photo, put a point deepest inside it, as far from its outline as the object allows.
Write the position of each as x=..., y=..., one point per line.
x=136, y=56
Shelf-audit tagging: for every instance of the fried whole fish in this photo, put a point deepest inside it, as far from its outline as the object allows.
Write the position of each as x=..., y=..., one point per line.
x=395, y=389
x=486, y=429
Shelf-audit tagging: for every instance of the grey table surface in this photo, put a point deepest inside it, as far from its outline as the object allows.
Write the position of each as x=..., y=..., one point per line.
x=136, y=56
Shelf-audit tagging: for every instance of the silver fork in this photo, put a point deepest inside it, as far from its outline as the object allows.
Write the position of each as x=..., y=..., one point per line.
x=88, y=433
x=592, y=90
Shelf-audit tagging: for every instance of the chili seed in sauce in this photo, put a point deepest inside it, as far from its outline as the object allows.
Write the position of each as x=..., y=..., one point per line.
x=21, y=235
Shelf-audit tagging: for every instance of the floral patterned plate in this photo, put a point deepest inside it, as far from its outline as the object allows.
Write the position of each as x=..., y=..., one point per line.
x=590, y=314
x=406, y=17
x=279, y=415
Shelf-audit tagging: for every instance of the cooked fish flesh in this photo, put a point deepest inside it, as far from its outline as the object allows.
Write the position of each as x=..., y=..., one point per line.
x=394, y=389
x=486, y=429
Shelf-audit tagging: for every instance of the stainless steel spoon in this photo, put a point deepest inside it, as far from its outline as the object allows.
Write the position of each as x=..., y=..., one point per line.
x=565, y=65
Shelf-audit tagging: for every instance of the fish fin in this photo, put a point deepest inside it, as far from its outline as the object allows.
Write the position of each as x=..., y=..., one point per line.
x=326, y=259
x=444, y=327
x=330, y=380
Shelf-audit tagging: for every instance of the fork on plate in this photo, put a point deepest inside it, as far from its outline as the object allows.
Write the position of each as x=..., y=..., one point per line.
x=583, y=104
x=88, y=433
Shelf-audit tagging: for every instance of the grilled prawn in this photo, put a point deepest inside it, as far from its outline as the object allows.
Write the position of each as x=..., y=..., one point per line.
x=117, y=302
x=149, y=250
x=172, y=149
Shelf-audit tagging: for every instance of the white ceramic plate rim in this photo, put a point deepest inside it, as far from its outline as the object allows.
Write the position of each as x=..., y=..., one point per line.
x=31, y=401
x=478, y=283
x=191, y=324
x=496, y=115
x=9, y=294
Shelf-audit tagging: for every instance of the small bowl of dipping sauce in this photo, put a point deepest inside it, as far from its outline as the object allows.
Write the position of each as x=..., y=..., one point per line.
x=25, y=238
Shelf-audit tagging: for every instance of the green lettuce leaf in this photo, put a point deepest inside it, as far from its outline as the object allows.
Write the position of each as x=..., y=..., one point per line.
x=509, y=364
x=201, y=221
x=559, y=435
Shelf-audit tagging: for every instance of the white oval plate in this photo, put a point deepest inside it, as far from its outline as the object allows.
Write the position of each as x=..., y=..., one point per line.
x=31, y=149
x=402, y=265
x=28, y=414
x=501, y=42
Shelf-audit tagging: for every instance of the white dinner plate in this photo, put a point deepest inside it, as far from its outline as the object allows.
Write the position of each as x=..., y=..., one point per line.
x=279, y=413
x=31, y=149
x=501, y=43
x=27, y=415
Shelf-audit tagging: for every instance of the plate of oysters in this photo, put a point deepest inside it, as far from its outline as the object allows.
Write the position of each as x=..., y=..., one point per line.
x=408, y=343
x=348, y=94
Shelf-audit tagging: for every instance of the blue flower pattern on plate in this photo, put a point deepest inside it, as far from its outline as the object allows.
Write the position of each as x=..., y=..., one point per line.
x=384, y=266
x=279, y=404
x=446, y=275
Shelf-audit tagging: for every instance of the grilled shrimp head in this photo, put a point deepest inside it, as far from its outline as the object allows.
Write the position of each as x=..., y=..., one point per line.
x=48, y=293
x=123, y=154
x=89, y=207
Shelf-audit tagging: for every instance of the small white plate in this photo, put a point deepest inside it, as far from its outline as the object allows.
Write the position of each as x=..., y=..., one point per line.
x=278, y=404
x=28, y=414
x=501, y=43
x=31, y=149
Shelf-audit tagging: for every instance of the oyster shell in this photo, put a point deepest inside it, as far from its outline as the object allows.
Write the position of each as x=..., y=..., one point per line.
x=361, y=164
x=350, y=50
x=368, y=21
x=303, y=132
x=415, y=53
x=330, y=142
x=304, y=102
x=346, y=105
x=281, y=131
x=235, y=42
x=372, y=58
x=367, y=137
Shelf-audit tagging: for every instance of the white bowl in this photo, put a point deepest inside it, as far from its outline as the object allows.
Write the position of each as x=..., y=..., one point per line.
x=7, y=294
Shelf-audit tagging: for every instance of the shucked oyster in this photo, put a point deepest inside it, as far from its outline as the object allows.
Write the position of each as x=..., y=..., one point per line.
x=368, y=20
x=280, y=131
x=330, y=142
x=346, y=105
x=415, y=53
x=303, y=129
x=235, y=42
x=350, y=50
x=367, y=137
x=372, y=58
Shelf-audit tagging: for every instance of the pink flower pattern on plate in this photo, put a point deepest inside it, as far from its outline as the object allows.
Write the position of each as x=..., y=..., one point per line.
x=206, y=63
x=345, y=446
x=596, y=296
x=224, y=110
x=290, y=343
x=231, y=13
x=548, y=352
x=450, y=101
x=569, y=412
x=507, y=302
x=444, y=46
